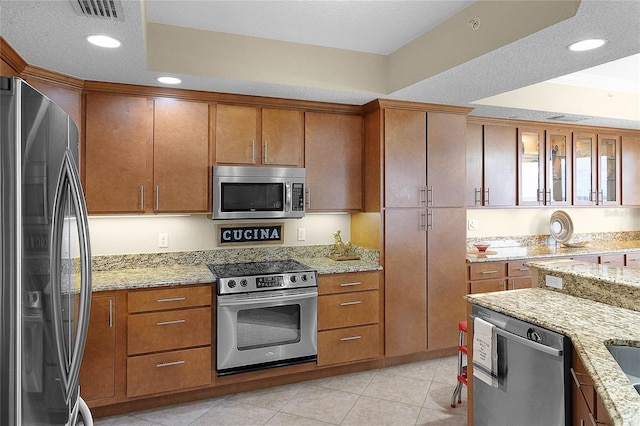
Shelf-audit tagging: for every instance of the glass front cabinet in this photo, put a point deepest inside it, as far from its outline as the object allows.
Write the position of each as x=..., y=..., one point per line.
x=544, y=167
x=597, y=169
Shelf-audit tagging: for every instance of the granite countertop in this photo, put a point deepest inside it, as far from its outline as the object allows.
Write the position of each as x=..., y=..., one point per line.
x=597, y=305
x=170, y=275
x=541, y=251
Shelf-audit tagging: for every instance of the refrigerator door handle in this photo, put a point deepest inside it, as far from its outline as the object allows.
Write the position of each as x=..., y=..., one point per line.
x=69, y=363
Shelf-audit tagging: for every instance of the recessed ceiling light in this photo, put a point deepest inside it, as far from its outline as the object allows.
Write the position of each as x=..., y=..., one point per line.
x=169, y=80
x=103, y=41
x=589, y=44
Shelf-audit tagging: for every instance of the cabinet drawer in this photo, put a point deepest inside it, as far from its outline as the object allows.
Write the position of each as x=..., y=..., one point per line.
x=171, y=298
x=483, y=271
x=518, y=269
x=168, y=371
x=486, y=286
x=161, y=331
x=348, y=344
x=612, y=260
x=348, y=309
x=341, y=283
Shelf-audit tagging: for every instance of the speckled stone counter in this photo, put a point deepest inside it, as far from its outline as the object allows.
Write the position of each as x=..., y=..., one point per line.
x=118, y=272
x=590, y=325
x=597, y=305
x=541, y=247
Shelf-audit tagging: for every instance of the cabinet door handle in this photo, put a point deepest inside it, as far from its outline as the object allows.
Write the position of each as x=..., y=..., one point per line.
x=477, y=196
x=577, y=381
x=540, y=196
x=429, y=220
x=422, y=221
x=486, y=199
x=266, y=152
x=157, y=197
x=173, y=299
x=350, y=284
x=358, y=302
x=488, y=272
x=110, y=313
x=171, y=322
x=600, y=197
x=423, y=190
x=345, y=339
x=308, y=200
x=141, y=197
x=547, y=197
x=169, y=364
x=430, y=196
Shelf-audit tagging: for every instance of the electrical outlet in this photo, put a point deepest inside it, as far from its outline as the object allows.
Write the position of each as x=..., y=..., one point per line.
x=302, y=234
x=472, y=225
x=163, y=240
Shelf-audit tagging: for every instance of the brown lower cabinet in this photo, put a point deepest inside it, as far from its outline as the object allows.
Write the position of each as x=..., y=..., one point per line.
x=588, y=408
x=486, y=277
x=156, y=346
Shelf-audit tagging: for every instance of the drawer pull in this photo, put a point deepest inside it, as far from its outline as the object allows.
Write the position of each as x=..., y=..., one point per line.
x=171, y=322
x=350, y=284
x=523, y=269
x=350, y=303
x=345, y=339
x=489, y=272
x=169, y=364
x=173, y=299
x=577, y=381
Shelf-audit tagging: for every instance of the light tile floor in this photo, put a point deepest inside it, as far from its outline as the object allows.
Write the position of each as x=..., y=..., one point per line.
x=409, y=394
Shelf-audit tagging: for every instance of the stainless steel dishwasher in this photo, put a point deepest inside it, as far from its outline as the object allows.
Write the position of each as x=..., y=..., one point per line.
x=532, y=376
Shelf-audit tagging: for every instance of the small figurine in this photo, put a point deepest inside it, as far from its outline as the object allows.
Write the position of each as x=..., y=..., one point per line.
x=342, y=251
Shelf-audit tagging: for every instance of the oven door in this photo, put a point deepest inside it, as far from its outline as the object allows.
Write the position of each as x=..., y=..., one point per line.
x=266, y=329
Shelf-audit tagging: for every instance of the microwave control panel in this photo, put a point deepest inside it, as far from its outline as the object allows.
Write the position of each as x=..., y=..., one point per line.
x=297, y=197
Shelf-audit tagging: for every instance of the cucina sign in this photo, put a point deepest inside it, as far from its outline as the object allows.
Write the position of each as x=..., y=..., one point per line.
x=250, y=234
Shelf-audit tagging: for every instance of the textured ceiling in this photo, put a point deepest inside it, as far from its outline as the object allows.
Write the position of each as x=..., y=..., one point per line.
x=49, y=34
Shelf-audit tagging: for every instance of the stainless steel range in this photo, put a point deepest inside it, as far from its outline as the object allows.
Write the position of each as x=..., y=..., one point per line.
x=266, y=315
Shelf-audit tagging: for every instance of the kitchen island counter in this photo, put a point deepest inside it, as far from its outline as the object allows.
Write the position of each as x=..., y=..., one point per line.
x=577, y=311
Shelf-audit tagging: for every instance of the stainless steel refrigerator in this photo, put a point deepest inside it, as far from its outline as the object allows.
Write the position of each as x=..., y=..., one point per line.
x=45, y=261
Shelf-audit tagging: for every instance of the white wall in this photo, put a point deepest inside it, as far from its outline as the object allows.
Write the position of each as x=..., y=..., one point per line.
x=521, y=222
x=139, y=234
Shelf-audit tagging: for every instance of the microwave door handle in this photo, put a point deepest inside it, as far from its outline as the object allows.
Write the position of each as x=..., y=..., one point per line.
x=288, y=206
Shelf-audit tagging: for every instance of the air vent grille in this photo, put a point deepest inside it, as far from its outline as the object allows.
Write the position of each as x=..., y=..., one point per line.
x=106, y=9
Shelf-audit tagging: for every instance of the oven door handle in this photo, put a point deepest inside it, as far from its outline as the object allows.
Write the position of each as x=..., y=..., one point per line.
x=237, y=301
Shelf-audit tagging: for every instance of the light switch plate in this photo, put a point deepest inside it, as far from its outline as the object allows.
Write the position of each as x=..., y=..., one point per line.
x=163, y=240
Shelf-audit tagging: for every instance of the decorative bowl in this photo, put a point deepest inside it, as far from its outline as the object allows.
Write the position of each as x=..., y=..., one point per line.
x=482, y=247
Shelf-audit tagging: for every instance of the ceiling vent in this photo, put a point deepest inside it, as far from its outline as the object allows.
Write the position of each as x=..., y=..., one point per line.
x=569, y=118
x=106, y=9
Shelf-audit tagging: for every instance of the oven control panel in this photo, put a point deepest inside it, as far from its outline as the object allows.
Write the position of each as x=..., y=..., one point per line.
x=267, y=282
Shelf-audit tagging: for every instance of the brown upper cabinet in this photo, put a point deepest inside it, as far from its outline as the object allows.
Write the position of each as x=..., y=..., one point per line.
x=146, y=156
x=608, y=169
x=118, y=129
x=181, y=156
x=596, y=177
x=252, y=136
x=333, y=159
x=544, y=167
x=630, y=146
x=405, y=159
x=491, y=165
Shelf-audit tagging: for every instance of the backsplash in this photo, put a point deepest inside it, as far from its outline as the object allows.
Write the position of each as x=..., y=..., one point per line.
x=236, y=255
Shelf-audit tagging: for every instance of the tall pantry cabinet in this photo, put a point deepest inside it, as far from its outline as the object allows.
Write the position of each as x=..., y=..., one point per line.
x=421, y=149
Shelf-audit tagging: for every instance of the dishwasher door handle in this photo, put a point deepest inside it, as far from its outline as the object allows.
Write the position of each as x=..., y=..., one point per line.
x=529, y=343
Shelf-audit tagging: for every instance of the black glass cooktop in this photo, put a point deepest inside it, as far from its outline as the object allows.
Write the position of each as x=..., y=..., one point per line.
x=231, y=270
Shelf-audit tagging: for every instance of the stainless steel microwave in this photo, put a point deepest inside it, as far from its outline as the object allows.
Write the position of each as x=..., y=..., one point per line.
x=258, y=192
